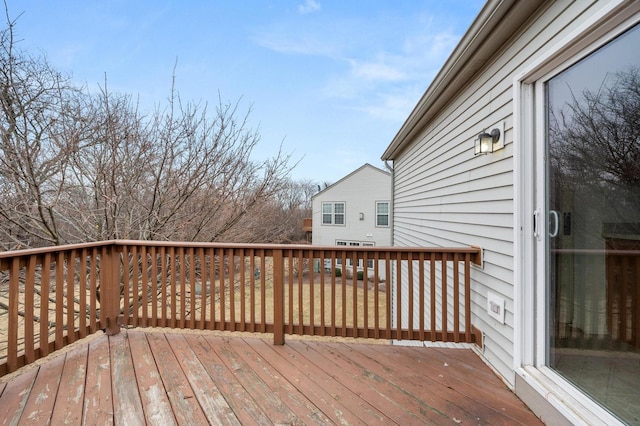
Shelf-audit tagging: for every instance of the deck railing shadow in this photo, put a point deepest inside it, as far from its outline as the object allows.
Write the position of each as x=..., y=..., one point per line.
x=51, y=297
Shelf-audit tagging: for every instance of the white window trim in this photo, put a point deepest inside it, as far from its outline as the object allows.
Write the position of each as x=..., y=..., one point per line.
x=528, y=94
x=333, y=213
x=388, y=203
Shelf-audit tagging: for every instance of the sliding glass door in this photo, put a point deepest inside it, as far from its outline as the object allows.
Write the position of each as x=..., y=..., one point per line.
x=592, y=186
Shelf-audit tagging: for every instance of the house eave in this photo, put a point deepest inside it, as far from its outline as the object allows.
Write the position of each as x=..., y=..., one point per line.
x=496, y=23
x=364, y=166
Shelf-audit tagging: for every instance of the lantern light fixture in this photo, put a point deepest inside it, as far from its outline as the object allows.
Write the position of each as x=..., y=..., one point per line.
x=488, y=142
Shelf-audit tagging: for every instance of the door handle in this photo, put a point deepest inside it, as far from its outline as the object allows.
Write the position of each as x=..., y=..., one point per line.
x=536, y=224
x=555, y=223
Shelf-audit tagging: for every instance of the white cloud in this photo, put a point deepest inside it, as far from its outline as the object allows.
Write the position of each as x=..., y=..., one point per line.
x=391, y=107
x=66, y=54
x=430, y=46
x=309, y=6
x=379, y=70
x=376, y=71
x=306, y=45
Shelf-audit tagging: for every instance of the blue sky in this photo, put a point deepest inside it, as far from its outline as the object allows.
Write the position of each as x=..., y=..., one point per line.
x=332, y=81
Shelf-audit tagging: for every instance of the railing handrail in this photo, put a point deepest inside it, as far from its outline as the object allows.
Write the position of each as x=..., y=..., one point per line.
x=54, y=249
x=155, y=283
x=262, y=246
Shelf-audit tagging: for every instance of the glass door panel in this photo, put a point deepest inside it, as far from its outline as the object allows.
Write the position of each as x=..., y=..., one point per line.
x=593, y=238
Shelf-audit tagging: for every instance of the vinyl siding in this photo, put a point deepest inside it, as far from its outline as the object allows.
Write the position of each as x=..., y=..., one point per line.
x=360, y=191
x=446, y=196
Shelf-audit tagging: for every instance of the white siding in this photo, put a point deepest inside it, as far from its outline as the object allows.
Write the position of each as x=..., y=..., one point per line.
x=446, y=196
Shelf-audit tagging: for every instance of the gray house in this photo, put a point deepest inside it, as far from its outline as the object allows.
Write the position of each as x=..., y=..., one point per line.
x=354, y=211
x=527, y=143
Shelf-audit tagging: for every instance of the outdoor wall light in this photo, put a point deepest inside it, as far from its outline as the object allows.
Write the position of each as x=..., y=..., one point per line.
x=361, y=216
x=489, y=141
x=485, y=141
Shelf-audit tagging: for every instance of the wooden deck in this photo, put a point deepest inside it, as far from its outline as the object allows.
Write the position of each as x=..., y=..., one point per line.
x=141, y=376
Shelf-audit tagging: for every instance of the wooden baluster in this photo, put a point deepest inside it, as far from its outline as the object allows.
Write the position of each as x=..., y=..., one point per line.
x=467, y=298
x=312, y=301
x=163, y=286
x=135, y=292
x=29, y=293
x=410, y=294
x=153, y=285
x=93, y=291
x=343, y=304
x=354, y=285
x=203, y=288
x=300, y=295
x=144, y=298
x=432, y=286
x=212, y=288
x=421, y=295
x=263, y=290
x=44, y=306
x=289, y=295
x=252, y=290
x=444, y=298
x=82, y=293
x=376, y=294
x=387, y=261
x=232, y=292
x=183, y=288
x=192, y=288
x=398, y=296
x=323, y=323
x=243, y=285
x=456, y=299
x=171, y=264
x=70, y=284
x=278, y=297
x=12, y=332
x=60, y=301
x=223, y=308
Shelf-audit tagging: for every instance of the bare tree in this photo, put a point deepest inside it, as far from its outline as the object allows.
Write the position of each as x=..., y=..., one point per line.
x=595, y=142
x=80, y=167
x=36, y=103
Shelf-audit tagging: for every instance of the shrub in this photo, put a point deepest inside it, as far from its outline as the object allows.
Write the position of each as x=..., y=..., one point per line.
x=338, y=272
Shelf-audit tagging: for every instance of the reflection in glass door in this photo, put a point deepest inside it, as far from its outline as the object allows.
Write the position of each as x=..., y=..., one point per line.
x=593, y=238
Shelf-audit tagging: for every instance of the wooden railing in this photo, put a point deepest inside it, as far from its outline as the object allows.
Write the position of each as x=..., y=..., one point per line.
x=51, y=297
x=616, y=273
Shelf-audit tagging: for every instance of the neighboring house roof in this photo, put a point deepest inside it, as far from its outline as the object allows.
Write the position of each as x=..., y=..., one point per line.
x=358, y=170
x=495, y=24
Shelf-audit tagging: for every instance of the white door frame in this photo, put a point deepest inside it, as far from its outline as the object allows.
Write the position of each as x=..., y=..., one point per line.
x=530, y=329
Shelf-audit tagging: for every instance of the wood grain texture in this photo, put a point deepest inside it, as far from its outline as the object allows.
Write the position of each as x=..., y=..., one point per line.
x=153, y=377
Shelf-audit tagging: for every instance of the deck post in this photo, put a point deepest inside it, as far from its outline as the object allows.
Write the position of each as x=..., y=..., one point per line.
x=110, y=286
x=278, y=297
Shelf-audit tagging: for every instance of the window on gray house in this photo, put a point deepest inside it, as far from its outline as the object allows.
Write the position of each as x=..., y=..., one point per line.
x=333, y=213
x=382, y=213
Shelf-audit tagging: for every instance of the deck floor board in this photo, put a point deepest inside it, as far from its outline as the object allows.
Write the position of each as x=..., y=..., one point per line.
x=213, y=404
x=241, y=402
x=70, y=396
x=153, y=396
x=414, y=393
x=127, y=402
x=181, y=396
x=158, y=377
x=98, y=402
x=39, y=406
x=279, y=385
